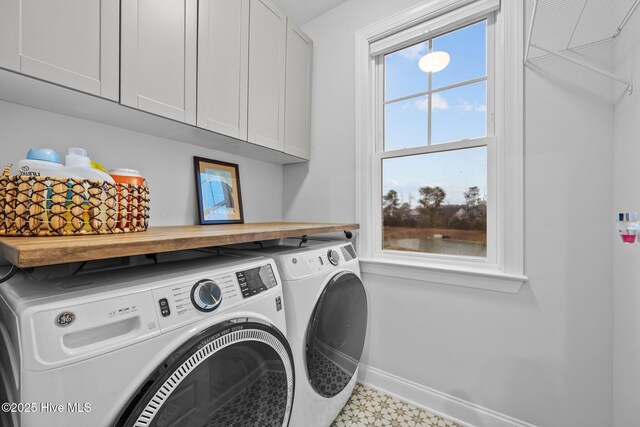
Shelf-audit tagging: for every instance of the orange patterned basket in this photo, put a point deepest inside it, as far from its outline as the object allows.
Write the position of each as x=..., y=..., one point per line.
x=43, y=206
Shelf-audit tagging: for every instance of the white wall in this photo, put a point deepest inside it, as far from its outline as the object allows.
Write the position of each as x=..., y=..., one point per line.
x=167, y=164
x=543, y=355
x=626, y=258
x=322, y=190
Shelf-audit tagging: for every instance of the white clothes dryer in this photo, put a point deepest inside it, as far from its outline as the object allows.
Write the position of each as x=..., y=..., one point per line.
x=195, y=343
x=326, y=312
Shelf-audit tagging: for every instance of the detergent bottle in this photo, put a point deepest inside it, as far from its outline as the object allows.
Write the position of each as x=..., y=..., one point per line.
x=78, y=163
x=43, y=162
x=85, y=210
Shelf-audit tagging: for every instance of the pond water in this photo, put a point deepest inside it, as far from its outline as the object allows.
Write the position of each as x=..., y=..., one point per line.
x=440, y=246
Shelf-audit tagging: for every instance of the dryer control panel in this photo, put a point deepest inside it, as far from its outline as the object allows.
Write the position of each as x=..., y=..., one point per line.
x=309, y=262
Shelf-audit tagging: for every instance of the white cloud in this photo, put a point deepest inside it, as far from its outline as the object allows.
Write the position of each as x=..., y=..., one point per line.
x=438, y=102
x=422, y=104
x=466, y=106
x=414, y=53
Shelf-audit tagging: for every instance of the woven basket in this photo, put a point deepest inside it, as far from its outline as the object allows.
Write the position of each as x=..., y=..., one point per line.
x=42, y=206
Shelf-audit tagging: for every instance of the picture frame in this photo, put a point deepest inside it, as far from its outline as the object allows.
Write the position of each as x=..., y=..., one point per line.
x=219, y=193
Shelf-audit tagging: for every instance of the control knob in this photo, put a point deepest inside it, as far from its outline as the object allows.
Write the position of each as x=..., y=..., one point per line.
x=206, y=295
x=333, y=256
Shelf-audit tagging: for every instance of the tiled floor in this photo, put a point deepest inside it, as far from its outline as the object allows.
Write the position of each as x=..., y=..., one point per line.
x=369, y=407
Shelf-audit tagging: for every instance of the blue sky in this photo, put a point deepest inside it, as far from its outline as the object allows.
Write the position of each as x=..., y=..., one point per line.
x=457, y=113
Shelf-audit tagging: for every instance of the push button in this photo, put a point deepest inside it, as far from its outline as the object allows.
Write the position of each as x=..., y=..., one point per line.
x=164, y=307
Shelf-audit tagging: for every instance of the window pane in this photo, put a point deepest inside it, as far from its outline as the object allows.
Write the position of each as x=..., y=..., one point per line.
x=467, y=48
x=436, y=203
x=402, y=77
x=406, y=123
x=459, y=113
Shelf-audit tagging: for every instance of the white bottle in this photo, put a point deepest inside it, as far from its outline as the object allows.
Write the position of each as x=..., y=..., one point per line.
x=41, y=162
x=78, y=164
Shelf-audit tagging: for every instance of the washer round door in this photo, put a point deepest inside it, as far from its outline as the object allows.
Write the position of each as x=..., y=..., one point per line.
x=233, y=374
x=336, y=333
x=7, y=418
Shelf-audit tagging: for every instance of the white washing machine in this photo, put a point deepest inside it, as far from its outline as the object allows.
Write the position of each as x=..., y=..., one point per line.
x=326, y=324
x=196, y=343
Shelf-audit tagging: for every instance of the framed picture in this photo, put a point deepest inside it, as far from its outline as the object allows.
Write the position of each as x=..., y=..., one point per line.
x=219, y=197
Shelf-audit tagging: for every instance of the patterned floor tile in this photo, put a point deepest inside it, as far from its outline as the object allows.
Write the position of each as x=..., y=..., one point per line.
x=368, y=407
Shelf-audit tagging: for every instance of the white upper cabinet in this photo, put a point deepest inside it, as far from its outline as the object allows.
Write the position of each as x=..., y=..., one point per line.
x=298, y=93
x=267, y=44
x=223, y=66
x=235, y=67
x=10, y=35
x=158, y=57
x=73, y=43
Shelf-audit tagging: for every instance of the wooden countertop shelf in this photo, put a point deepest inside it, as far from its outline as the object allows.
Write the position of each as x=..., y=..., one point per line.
x=38, y=251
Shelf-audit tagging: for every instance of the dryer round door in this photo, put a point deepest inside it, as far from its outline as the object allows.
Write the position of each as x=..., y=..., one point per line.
x=335, y=336
x=234, y=374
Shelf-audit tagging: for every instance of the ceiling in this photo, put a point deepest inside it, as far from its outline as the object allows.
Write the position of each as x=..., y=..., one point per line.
x=303, y=11
x=568, y=24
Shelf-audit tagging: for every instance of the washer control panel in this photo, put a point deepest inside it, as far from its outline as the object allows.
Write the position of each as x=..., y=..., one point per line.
x=256, y=280
x=193, y=298
x=111, y=312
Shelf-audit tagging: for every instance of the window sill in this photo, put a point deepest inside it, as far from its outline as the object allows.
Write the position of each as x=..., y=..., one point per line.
x=491, y=280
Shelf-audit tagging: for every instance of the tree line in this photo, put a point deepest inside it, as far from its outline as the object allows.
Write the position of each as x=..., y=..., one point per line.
x=432, y=212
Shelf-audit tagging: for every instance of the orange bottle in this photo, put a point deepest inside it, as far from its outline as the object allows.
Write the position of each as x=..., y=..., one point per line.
x=128, y=208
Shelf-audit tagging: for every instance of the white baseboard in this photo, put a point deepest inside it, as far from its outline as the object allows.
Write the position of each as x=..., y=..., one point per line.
x=434, y=401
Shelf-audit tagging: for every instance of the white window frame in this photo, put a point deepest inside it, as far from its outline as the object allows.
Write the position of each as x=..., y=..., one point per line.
x=488, y=141
x=503, y=269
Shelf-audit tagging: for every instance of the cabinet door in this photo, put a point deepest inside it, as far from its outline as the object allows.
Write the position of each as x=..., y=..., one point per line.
x=267, y=43
x=10, y=35
x=73, y=43
x=158, y=71
x=298, y=93
x=223, y=70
